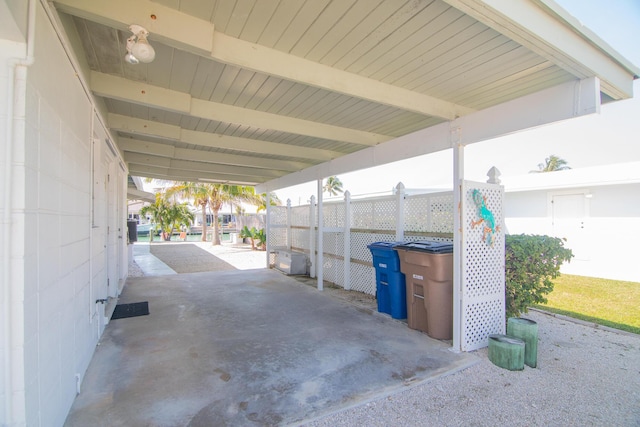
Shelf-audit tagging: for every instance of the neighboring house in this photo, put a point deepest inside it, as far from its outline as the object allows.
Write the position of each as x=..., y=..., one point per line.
x=597, y=209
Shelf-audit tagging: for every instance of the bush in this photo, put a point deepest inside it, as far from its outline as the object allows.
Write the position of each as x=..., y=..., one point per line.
x=531, y=262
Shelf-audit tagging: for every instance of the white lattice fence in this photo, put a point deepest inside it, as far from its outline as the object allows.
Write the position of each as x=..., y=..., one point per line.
x=333, y=242
x=429, y=213
x=483, y=293
x=422, y=216
x=363, y=275
x=300, y=228
x=277, y=231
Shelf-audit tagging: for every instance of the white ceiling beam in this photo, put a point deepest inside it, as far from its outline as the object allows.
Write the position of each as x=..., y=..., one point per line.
x=562, y=102
x=261, y=59
x=535, y=25
x=153, y=129
x=135, y=194
x=185, y=175
x=141, y=93
x=134, y=145
x=201, y=39
x=151, y=159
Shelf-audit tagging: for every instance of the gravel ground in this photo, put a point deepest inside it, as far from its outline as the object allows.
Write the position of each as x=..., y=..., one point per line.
x=586, y=376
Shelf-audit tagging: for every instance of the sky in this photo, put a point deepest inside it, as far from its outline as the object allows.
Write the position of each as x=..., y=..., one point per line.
x=611, y=137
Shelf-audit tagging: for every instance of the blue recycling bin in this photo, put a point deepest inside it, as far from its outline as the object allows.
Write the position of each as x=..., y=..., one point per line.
x=391, y=291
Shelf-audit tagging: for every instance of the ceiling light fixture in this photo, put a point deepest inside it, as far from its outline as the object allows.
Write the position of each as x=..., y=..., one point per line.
x=138, y=48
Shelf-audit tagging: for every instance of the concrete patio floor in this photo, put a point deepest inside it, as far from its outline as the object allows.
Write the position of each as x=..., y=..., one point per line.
x=248, y=347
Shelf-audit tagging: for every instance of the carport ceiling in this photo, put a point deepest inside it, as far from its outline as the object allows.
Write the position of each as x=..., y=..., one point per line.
x=247, y=91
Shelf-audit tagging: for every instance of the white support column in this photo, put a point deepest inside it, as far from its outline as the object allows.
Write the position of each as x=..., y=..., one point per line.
x=458, y=177
x=268, y=228
x=347, y=241
x=289, y=224
x=400, y=193
x=320, y=255
x=312, y=237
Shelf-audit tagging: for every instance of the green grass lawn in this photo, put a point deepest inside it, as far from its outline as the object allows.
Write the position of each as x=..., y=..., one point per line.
x=606, y=302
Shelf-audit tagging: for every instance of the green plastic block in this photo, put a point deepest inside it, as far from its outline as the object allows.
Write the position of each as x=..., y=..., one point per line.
x=527, y=331
x=506, y=352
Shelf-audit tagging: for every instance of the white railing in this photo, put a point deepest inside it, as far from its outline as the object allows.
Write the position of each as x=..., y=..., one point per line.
x=350, y=225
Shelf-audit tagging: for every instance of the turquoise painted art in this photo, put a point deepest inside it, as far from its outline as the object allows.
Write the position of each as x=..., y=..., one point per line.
x=485, y=217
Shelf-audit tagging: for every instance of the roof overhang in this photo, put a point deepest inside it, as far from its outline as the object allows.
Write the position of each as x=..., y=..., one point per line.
x=259, y=94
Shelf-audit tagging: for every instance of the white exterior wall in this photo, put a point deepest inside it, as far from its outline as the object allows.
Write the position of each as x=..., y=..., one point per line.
x=68, y=220
x=608, y=247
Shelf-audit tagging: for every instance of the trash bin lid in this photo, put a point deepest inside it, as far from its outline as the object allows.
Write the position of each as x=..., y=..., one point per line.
x=429, y=246
x=384, y=245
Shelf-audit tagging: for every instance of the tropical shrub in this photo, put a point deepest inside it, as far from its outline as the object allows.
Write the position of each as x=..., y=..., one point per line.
x=167, y=216
x=531, y=262
x=254, y=235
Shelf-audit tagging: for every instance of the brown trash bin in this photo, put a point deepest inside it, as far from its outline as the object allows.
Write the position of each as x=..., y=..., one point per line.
x=428, y=269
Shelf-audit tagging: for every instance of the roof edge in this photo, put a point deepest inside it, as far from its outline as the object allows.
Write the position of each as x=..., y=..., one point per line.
x=589, y=35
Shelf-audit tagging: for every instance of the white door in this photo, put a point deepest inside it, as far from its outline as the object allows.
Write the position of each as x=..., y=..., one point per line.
x=569, y=218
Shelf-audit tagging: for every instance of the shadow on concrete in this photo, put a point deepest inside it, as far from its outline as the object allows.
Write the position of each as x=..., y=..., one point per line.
x=188, y=258
x=250, y=347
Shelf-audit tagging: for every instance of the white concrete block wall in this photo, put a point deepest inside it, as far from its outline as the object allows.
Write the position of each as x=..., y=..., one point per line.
x=57, y=253
x=12, y=45
x=3, y=165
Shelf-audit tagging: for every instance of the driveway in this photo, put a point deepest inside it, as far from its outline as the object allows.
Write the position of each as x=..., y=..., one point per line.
x=251, y=347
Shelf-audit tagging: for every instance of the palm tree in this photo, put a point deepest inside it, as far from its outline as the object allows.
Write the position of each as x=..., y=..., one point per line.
x=159, y=213
x=179, y=215
x=220, y=194
x=551, y=164
x=199, y=195
x=274, y=200
x=333, y=186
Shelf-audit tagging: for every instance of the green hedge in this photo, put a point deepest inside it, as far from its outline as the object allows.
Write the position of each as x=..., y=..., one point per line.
x=531, y=262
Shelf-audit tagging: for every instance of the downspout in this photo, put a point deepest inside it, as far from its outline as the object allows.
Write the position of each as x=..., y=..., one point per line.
x=15, y=402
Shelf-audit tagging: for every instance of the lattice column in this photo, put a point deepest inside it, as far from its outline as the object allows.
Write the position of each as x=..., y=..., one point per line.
x=347, y=241
x=312, y=237
x=483, y=263
x=320, y=256
x=400, y=212
x=288, y=224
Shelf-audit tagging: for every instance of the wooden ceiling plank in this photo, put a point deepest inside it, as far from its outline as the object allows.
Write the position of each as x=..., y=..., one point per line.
x=258, y=20
x=297, y=27
x=255, y=146
x=230, y=50
x=535, y=28
x=212, y=140
x=238, y=160
x=342, y=28
x=237, y=87
x=378, y=25
x=238, y=18
x=186, y=175
x=182, y=76
x=434, y=19
x=159, y=161
x=142, y=93
x=323, y=24
x=265, y=60
x=445, y=45
x=279, y=22
x=454, y=58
